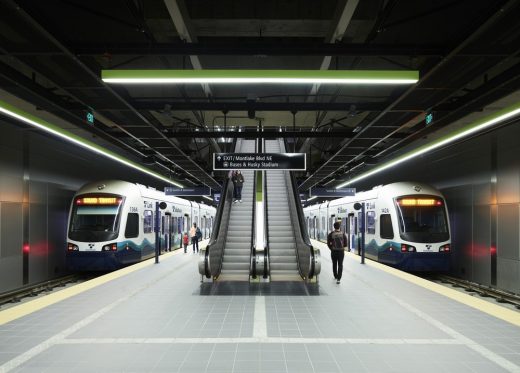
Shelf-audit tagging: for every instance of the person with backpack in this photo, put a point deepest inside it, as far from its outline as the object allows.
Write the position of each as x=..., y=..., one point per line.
x=337, y=241
x=195, y=235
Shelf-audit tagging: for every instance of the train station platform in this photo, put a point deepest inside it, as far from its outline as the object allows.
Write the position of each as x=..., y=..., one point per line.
x=161, y=318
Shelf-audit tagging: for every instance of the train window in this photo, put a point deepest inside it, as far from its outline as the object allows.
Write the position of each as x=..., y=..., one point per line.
x=132, y=225
x=385, y=226
x=422, y=219
x=148, y=221
x=371, y=222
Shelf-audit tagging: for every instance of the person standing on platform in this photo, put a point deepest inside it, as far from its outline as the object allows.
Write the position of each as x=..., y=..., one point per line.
x=337, y=241
x=185, y=241
x=194, y=237
x=238, y=183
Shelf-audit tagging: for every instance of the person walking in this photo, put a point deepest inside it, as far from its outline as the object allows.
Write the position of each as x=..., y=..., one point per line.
x=194, y=234
x=238, y=183
x=337, y=241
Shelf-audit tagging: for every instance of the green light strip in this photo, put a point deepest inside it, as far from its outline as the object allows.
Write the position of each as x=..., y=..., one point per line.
x=261, y=76
x=37, y=122
x=486, y=122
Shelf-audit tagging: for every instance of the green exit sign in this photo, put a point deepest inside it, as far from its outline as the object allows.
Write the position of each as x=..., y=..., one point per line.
x=428, y=119
x=90, y=117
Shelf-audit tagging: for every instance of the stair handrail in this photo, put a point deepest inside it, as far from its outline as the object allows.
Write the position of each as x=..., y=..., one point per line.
x=252, y=257
x=211, y=257
x=267, y=266
x=308, y=257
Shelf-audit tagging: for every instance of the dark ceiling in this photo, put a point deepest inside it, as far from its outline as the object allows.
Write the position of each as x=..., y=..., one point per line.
x=467, y=53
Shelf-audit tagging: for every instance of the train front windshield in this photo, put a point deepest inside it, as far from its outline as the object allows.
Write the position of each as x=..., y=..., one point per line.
x=422, y=219
x=95, y=218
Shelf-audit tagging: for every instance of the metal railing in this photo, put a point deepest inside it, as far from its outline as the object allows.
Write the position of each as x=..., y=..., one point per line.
x=252, y=257
x=266, y=228
x=308, y=257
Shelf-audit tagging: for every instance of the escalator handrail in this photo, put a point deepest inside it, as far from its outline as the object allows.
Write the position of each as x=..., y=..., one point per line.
x=217, y=227
x=301, y=223
x=266, y=228
x=252, y=258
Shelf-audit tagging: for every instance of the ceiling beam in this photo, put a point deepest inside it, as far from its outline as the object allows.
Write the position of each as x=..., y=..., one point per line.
x=245, y=48
x=186, y=35
x=265, y=134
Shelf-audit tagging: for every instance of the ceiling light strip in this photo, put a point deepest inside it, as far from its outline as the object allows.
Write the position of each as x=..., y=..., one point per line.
x=260, y=76
x=34, y=121
x=484, y=123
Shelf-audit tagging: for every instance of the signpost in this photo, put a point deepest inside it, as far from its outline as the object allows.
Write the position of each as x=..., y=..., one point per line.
x=332, y=192
x=256, y=161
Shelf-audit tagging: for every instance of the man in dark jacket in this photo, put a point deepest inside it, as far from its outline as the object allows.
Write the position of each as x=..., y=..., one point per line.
x=238, y=183
x=337, y=241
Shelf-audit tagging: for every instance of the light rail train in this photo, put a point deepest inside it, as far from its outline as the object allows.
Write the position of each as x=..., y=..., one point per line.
x=111, y=224
x=406, y=225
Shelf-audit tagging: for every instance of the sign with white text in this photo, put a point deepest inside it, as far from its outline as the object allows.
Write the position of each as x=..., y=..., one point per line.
x=332, y=192
x=259, y=161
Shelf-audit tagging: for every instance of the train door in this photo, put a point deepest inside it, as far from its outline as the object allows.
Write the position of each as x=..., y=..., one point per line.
x=187, y=223
x=167, y=232
x=173, y=230
x=351, y=232
x=203, y=227
x=332, y=220
x=314, y=227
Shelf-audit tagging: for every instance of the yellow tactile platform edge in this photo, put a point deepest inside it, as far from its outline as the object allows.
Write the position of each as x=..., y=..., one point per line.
x=495, y=310
x=27, y=308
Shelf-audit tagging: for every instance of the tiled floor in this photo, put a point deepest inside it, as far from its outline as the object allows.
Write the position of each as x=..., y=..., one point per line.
x=162, y=319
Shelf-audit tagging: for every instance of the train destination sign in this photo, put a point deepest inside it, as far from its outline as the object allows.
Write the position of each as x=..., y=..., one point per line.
x=259, y=161
x=195, y=191
x=332, y=192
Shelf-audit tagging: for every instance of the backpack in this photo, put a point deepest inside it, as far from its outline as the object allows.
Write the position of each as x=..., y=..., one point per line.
x=198, y=234
x=338, y=240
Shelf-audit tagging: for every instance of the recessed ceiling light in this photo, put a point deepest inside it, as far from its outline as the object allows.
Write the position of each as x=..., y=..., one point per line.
x=373, y=77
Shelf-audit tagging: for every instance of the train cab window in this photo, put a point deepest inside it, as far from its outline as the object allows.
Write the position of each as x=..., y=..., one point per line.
x=371, y=222
x=385, y=226
x=148, y=221
x=132, y=225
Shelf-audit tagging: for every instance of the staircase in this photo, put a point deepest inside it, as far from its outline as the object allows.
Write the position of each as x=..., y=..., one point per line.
x=282, y=246
x=237, y=249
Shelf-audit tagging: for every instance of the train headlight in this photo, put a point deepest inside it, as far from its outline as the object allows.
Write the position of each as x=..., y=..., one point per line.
x=110, y=247
x=445, y=248
x=407, y=248
x=72, y=247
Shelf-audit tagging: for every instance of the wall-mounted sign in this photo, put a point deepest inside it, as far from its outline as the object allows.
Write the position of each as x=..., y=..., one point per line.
x=332, y=192
x=428, y=118
x=90, y=117
x=195, y=191
x=259, y=161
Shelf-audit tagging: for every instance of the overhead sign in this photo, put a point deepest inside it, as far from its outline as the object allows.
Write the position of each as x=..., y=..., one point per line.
x=259, y=161
x=332, y=192
x=195, y=191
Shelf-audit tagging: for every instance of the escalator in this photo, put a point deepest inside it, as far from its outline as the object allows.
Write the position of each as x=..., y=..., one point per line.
x=227, y=256
x=290, y=253
x=237, y=253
